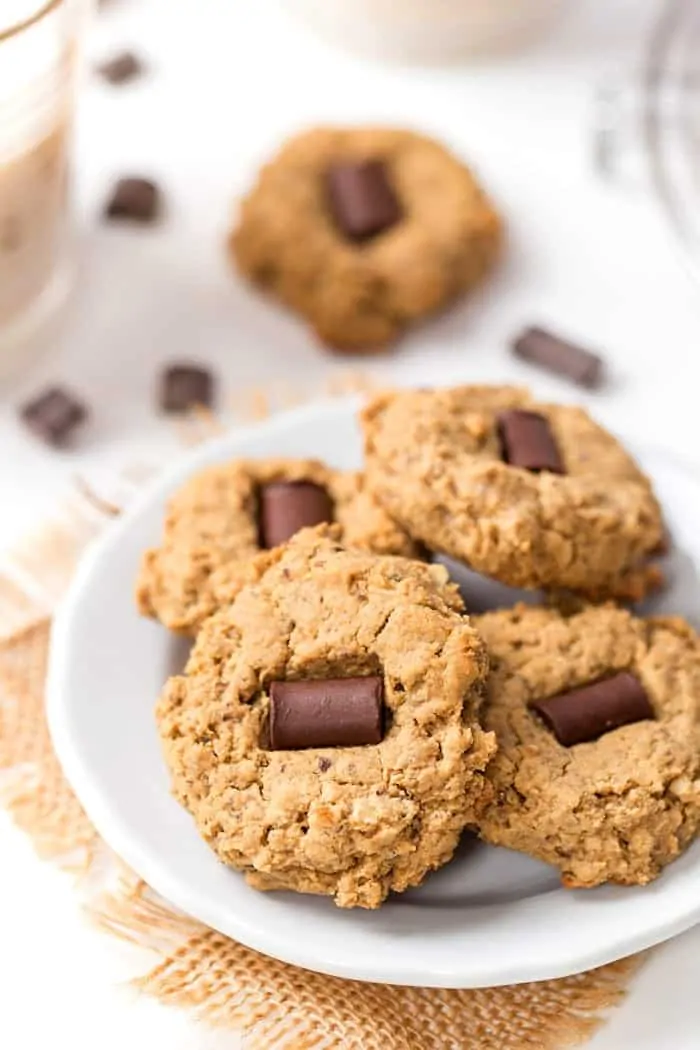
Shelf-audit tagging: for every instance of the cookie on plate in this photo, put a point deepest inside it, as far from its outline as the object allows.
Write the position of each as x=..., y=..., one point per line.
x=597, y=718
x=325, y=733
x=363, y=231
x=535, y=495
x=223, y=516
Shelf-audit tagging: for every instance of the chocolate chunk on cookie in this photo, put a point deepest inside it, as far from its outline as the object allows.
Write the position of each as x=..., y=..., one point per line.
x=326, y=712
x=227, y=513
x=287, y=506
x=527, y=441
x=362, y=199
x=347, y=808
x=364, y=231
x=583, y=714
x=607, y=786
x=569, y=509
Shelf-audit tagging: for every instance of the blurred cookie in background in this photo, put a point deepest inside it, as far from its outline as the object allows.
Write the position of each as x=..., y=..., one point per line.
x=364, y=231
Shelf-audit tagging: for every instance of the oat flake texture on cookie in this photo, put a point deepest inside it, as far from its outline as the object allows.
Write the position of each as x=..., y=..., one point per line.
x=433, y=458
x=615, y=809
x=360, y=297
x=353, y=823
x=211, y=532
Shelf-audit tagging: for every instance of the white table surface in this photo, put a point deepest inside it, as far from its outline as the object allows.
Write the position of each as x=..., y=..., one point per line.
x=228, y=80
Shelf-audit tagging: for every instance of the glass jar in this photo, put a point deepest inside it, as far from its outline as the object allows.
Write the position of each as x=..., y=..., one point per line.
x=38, y=58
x=425, y=30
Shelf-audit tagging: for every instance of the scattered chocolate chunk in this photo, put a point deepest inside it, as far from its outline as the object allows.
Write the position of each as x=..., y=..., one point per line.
x=338, y=712
x=287, y=506
x=54, y=416
x=587, y=713
x=121, y=68
x=362, y=200
x=185, y=386
x=527, y=441
x=324, y=764
x=134, y=199
x=558, y=355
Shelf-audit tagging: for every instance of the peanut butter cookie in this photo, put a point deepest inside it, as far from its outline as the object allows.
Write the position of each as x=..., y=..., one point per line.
x=597, y=718
x=217, y=521
x=535, y=495
x=275, y=735
x=363, y=231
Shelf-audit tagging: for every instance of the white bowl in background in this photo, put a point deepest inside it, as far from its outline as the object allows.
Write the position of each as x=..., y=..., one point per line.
x=425, y=30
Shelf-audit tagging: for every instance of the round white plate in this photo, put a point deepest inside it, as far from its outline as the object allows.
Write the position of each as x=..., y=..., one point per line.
x=490, y=917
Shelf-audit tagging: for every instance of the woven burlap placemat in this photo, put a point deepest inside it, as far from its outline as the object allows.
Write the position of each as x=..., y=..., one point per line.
x=275, y=1006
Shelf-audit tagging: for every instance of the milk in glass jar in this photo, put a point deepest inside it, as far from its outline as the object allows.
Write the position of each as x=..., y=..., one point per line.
x=38, y=56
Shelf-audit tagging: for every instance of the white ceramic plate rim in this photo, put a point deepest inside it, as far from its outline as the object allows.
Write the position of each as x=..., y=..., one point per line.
x=667, y=907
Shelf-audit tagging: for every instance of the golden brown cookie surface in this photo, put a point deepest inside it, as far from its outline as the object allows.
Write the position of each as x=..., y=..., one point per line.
x=351, y=822
x=614, y=809
x=434, y=459
x=359, y=297
x=211, y=532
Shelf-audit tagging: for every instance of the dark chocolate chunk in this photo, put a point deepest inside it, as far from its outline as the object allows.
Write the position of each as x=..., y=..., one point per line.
x=54, y=416
x=558, y=355
x=287, y=506
x=185, y=386
x=338, y=712
x=324, y=764
x=134, y=199
x=589, y=712
x=121, y=68
x=361, y=198
x=527, y=441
